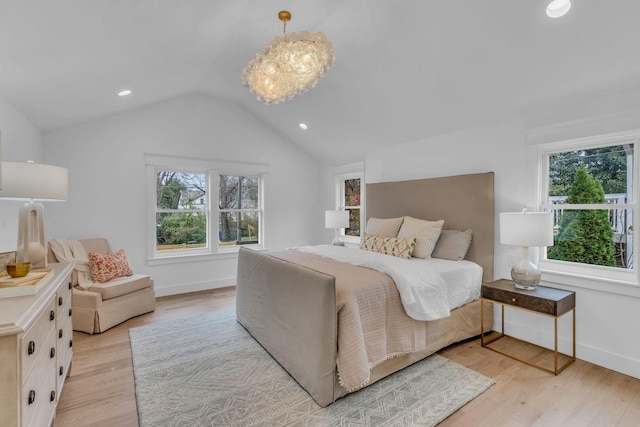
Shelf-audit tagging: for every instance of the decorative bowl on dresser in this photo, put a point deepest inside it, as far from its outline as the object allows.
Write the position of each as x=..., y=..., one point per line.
x=35, y=351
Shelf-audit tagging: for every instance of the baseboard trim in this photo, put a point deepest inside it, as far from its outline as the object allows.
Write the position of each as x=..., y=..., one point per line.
x=597, y=356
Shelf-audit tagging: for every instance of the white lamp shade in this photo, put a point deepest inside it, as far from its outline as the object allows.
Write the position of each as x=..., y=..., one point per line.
x=33, y=181
x=527, y=229
x=336, y=219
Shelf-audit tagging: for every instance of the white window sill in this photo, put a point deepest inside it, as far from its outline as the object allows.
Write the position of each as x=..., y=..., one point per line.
x=199, y=257
x=600, y=284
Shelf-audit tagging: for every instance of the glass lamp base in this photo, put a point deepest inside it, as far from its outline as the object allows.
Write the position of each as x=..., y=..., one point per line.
x=526, y=275
x=337, y=242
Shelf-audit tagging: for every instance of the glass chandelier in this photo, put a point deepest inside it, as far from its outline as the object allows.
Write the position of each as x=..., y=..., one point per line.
x=289, y=66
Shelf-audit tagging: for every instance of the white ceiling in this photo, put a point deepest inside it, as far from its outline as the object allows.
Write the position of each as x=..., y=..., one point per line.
x=404, y=70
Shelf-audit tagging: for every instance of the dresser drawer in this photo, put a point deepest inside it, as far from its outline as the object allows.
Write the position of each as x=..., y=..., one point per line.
x=63, y=297
x=39, y=387
x=545, y=300
x=63, y=321
x=33, y=341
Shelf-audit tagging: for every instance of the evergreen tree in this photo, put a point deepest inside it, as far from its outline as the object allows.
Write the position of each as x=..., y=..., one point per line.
x=585, y=235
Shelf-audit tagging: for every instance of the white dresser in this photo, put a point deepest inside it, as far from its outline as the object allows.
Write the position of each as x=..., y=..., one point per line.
x=35, y=351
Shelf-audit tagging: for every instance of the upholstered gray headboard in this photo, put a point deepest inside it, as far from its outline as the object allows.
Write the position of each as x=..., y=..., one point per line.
x=462, y=201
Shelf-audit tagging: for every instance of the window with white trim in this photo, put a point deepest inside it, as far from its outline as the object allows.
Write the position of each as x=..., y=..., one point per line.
x=195, y=208
x=182, y=212
x=239, y=213
x=350, y=196
x=589, y=186
x=351, y=192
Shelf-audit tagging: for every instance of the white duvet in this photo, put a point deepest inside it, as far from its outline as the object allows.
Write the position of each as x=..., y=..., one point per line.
x=422, y=289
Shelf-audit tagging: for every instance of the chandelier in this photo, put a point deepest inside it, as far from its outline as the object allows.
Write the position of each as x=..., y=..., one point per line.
x=289, y=66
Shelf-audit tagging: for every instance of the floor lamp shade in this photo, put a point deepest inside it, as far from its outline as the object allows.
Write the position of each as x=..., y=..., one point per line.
x=336, y=219
x=526, y=229
x=33, y=182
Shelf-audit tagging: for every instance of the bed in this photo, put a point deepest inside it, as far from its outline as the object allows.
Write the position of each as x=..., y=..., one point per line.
x=288, y=302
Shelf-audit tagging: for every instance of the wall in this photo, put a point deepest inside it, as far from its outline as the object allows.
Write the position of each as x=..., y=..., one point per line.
x=606, y=326
x=20, y=141
x=107, y=181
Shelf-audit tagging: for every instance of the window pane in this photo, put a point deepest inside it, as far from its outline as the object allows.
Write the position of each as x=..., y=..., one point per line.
x=596, y=237
x=239, y=192
x=352, y=204
x=354, y=223
x=606, y=166
x=248, y=192
x=352, y=192
x=177, y=190
x=238, y=228
x=175, y=231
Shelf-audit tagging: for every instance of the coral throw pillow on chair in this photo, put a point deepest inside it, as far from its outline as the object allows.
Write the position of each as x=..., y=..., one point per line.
x=105, y=267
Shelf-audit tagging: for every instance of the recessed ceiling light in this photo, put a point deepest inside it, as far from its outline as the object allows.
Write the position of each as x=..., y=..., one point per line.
x=124, y=93
x=558, y=8
x=303, y=126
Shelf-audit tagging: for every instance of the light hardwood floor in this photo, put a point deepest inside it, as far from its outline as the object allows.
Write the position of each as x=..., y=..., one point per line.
x=100, y=390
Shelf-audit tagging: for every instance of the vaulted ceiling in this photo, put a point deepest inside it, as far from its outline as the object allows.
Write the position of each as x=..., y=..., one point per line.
x=404, y=70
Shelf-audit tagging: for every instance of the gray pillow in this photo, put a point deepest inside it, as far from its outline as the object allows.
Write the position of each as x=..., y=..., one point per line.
x=452, y=245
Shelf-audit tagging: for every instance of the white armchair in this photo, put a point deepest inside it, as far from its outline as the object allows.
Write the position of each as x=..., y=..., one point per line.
x=104, y=305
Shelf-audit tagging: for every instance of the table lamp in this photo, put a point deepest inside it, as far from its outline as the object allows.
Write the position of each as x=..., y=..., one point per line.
x=526, y=229
x=33, y=182
x=336, y=219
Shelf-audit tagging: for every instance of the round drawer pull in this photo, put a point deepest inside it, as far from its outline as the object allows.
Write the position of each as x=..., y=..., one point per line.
x=52, y=353
x=514, y=299
x=70, y=311
x=52, y=315
x=59, y=300
x=31, y=348
x=70, y=343
x=61, y=370
x=53, y=396
x=69, y=285
x=59, y=333
x=32, y=397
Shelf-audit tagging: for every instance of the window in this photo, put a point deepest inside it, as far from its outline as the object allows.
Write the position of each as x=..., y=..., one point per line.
x=589, y=187
x=239, y=210
x=181, y=210
x=197, y=209
x=350, y=196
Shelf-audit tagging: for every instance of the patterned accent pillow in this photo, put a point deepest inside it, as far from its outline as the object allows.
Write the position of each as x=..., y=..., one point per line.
x=105, y=267
x=401, y=248
x=452, y=245
x=384, y=227
x=425, y=232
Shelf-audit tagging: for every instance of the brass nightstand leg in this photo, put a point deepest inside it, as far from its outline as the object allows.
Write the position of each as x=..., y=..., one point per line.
x=555, y=345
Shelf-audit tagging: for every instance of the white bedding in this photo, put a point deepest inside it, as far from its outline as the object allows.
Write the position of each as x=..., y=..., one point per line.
x=464, y=279
x=427, y=289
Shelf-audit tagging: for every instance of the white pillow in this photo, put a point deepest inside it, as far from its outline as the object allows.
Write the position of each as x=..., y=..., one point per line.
x=426, y=233
x=384, y=227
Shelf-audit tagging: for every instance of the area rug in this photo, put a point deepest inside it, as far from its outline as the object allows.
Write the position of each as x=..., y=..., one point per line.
x=207, y=370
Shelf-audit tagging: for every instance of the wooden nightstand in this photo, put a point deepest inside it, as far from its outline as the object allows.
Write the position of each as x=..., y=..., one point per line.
x=543, y=300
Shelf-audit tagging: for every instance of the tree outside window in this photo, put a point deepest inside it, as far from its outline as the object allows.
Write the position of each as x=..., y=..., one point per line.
x=590, y=193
